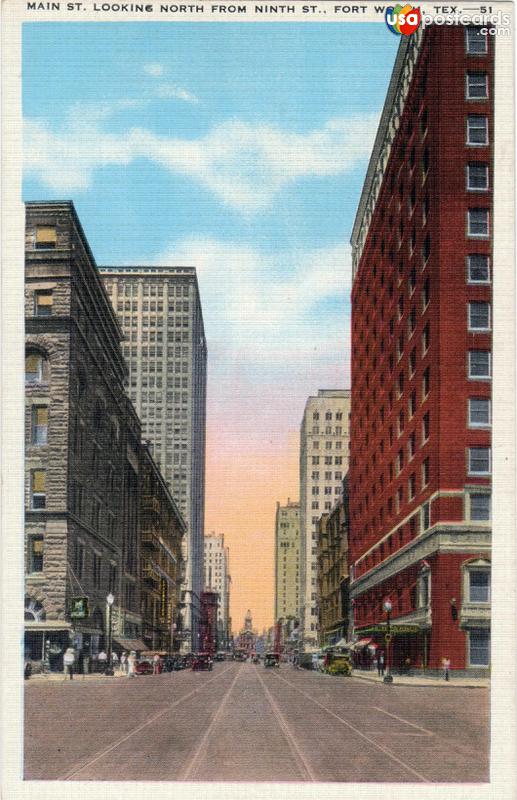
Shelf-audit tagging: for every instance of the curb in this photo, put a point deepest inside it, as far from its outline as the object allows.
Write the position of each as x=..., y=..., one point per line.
x=444, y=685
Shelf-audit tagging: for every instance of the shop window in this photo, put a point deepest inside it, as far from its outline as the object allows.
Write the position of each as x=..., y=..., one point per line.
x=479, y=647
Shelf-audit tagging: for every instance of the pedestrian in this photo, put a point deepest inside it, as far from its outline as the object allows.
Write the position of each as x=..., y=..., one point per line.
x=68, y=661
x=103, y=660
x=131, y=664
x=156, y=664
x=123, y=662
x=380, y=665
x=446, y=664
x=375, y=662
x=114, y=660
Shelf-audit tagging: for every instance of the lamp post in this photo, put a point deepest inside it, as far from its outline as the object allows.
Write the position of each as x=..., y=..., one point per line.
x=109, y=601
x=388, y=678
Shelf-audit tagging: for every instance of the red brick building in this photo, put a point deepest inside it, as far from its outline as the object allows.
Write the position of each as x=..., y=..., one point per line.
x=420, y=460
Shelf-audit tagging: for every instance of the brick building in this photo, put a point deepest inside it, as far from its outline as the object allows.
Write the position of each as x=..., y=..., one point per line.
x=333, y=601
x=420, y=466
x=82, y=448
x=162, y=565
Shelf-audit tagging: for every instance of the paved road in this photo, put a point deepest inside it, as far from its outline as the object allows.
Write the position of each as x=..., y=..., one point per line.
x=243, y=722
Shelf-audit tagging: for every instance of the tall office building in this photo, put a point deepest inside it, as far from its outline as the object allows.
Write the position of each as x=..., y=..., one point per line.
x=323, y=463
x=287, y=561
x=217, y=579
x=421, y=358
x=159, y=310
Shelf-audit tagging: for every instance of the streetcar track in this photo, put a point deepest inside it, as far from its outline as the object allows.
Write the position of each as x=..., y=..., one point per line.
x=288, y=734
x=194, y=762
x=405, y=721
x=372, y=742
x=79, y=768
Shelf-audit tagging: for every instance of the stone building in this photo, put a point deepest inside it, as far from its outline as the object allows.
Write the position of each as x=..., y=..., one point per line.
x=287, y=561
x=163, y=529
x=217, y=579
x=333, y=603
x=324, y=438
x=159, y=310
x=82, y=449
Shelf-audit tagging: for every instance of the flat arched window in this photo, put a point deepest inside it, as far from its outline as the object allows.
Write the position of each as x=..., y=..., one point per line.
x=36, y=368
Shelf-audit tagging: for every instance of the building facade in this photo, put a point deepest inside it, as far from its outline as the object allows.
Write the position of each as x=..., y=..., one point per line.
x=324, y=452
x=420, y=530
x=162, y=568
x=333, y=600
x=287, y=561
x=82, y=450
x=218, y=579
x=247, y=638
x=159, y=310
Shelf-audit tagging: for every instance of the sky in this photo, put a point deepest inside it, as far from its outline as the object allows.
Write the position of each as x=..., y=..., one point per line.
x=240, y=149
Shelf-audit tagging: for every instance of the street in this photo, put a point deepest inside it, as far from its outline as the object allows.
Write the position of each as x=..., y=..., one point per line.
x=242, y=722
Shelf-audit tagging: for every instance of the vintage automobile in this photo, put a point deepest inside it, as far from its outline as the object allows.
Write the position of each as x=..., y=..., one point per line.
x=202, y=661
x=271, y=660
x=143, y=667
x=219, y=656
x=338, y=664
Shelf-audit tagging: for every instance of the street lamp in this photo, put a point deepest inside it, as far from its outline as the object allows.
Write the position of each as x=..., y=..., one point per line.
x=388, y=678
x=109, y=601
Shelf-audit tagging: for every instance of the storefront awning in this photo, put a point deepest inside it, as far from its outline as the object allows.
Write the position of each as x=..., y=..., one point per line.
x=362, y=643
x=131, y=644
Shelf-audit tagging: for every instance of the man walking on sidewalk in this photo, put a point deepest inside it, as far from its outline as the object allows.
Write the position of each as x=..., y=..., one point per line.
x=68, y=661
x=446, y=662
x=380, y=665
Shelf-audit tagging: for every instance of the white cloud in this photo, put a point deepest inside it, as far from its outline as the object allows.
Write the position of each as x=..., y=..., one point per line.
x=245, y=166
x=154, y=69
x=170, y=91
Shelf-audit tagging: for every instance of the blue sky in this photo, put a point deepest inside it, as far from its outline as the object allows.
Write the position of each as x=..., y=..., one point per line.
x=238, y=148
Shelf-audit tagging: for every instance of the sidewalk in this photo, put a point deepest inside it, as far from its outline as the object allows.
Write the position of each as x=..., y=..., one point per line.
x=422, y=680
x=41, y=677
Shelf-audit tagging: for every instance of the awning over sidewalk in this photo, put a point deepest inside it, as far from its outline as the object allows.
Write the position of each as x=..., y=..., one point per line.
x=362, y=643
x=130, y=644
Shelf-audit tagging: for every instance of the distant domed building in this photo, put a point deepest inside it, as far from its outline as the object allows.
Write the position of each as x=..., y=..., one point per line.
x=247, y=636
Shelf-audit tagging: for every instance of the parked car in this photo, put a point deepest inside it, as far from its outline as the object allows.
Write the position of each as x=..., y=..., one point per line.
x=271, y=660
x=202, y=661
x=219, y=656
x=143, y=667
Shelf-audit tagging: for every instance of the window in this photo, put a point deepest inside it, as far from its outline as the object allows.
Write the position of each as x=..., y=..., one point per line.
x=425, y=473
x=426, y=250
x=425, y=517
x=426, y=382
x=479, y=585
x=479, y=412
x=36, y=368
x=425, y=427
x=39, y=425
x=97, y=570
x=425, y=294
x=480, y=506
x=79, y=559
x=480, y=364
x=425, y=339
x=478, y=268
x=46, y=237
x=479, y=316
x=43, y=303
x=479, y=460
x=477, y=176
x=477, y=130
x=38, y=489
x=477, y=85
x=479, y=647
x=411, y=446
x=411, y=487
x=477, y=223
x=35, y=554
x=412, y=404
x=476, y=43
